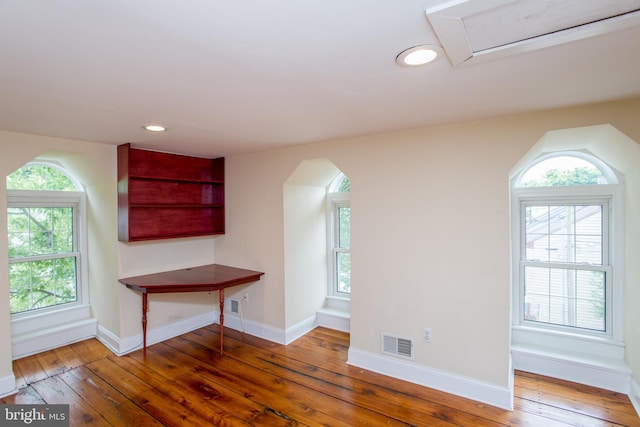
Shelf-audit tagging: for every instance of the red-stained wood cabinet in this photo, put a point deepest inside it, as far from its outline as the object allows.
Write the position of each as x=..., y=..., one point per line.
x=165, y=195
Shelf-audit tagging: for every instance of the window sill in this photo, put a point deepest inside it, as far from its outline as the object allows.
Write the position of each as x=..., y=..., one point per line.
x=335, y=314
x=32, y=323
x=567, y=343
x=338, y=303
x=44, y=331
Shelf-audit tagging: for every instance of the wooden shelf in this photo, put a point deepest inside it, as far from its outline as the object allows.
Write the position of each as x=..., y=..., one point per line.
x=164, y=195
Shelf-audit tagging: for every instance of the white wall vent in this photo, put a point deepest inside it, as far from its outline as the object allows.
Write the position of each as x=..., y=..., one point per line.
x=235, y=306
x=397, y=346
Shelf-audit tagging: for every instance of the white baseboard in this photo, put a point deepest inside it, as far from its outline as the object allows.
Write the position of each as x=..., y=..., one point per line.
x=634, y=396
x=8, y=386
x=602, y=372
x=122, y=346
x=301, y=328
x=260, y=330
x=470, y=388
x=109, y=339
x=50, y=338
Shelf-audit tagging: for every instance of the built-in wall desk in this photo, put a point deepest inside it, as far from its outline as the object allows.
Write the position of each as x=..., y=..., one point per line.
x=212, y=277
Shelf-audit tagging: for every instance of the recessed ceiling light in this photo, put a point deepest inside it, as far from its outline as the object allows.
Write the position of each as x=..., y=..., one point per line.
x=154, y=128
x=419, y=55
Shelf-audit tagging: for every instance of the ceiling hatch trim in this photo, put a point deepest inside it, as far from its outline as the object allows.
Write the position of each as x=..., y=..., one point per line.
x=473, y=31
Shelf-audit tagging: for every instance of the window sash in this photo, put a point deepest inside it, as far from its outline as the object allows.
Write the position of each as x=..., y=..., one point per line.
x=548, y=297
x=51, y=199
x=339, y=249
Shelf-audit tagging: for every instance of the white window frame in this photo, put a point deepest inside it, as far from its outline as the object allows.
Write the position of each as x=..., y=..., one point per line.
x=31, y=321
x=335, y=201
x=564, y=338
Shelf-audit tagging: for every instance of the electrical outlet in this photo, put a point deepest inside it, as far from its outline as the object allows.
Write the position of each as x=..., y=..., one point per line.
x=426, y=334
x=245, y=297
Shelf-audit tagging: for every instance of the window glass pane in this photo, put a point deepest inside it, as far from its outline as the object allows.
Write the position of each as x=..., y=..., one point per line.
x=18, y=232
x=562, y=171
x=40, y=231
x=344, y=227
x=343, y=263
x=588, y=240
x=39, y=177
x=345, y=185
x=537, y=233
x=43, y=283
x=571, y=234
x=62, y=230
x=567, y=297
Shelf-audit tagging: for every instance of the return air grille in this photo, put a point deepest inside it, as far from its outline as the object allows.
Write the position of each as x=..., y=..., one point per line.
x=397, y=346
x=235, y=306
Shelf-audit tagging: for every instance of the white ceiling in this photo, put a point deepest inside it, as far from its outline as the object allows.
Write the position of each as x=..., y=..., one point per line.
x=229, y=77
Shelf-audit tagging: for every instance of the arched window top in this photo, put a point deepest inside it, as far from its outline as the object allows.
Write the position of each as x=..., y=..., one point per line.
x=341, y=184
x=566, y=169
x=43, y=177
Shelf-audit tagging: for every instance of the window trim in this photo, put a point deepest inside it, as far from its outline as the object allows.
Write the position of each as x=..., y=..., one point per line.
x=562, y=337
x=77, y=201
x=606, y=267
x=334, y=202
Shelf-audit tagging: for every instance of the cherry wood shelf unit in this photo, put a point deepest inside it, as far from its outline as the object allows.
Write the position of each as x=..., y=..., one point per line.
x=164, y=195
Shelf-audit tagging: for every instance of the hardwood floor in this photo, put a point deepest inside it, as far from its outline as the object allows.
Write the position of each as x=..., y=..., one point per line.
x=185, y=382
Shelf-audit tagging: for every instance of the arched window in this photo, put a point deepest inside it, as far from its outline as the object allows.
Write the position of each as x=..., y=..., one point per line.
x=564, y=251
x=45, y=235
x=339, y=226
x=566, y=169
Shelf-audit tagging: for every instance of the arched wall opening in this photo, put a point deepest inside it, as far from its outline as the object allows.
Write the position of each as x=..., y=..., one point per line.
x=305, y=243
x=99, y=261
x=556, y=354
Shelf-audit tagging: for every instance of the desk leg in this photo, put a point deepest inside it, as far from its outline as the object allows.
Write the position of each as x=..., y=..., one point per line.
x=221, y=320
x=145, y=308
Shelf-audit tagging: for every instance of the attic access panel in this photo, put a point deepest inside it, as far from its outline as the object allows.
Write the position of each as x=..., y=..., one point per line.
x=474, y=30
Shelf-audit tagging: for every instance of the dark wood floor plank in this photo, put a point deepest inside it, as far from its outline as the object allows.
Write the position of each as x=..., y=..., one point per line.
x=206, y=399
x=556, y=388
x=274, y=392
x=31, y=370
x=90, y=350
x=107, y=400
x=559, y=415
x=159, y=405
x=54, y=391
x=567, y=402
x=51, y=363
x=68, y=357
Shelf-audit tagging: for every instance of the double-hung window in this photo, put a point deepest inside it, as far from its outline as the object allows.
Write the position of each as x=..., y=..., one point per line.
x=43, y=219
x=339, y=238
x=565, y=266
